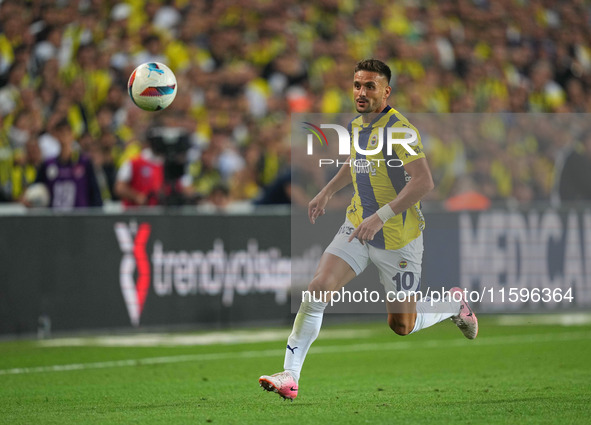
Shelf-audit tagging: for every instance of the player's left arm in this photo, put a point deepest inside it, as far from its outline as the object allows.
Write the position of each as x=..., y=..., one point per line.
x=420, y=184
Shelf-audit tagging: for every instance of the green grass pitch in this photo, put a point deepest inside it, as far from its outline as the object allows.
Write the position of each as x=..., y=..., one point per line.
x=509, y=374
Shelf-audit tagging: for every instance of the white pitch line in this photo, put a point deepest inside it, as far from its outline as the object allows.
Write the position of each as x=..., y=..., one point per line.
x=330, y=349
x=226, y=338
x=566, y=319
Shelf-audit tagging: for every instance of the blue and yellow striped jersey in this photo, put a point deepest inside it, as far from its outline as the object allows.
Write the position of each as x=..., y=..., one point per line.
x=376, y=184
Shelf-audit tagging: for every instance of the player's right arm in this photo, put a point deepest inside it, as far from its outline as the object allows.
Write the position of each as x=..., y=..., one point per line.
x=317, y=206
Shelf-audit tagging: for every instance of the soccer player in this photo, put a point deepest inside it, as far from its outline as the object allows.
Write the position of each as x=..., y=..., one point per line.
x=383, y=225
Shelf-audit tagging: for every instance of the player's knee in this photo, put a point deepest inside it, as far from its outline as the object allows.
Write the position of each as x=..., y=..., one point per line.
x=400, y=327
x=322, y=284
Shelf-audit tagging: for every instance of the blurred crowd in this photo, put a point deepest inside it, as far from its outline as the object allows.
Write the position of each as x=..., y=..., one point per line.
x=243, y=66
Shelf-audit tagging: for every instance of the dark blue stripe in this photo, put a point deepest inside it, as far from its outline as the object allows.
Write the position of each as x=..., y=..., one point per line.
x=365, y=189
x=378, y=240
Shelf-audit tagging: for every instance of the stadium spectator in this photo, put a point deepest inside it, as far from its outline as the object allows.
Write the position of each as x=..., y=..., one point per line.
x=279, y=191
x=218, y=201
x=24, y=169
x=70, y=176
x=140, y=180
x=102, y=151
x=10, y=92
x=246, y=67
x=466, y=197
x=152, y=51
x=575, y=180
x=204, y=174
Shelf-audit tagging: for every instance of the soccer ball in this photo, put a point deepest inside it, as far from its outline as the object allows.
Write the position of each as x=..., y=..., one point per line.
x=152, y=86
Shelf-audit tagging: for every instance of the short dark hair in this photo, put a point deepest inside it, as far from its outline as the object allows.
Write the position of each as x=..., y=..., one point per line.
x=374, y=65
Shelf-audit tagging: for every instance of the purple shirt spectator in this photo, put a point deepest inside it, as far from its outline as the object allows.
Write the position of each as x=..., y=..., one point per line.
x=71, y=184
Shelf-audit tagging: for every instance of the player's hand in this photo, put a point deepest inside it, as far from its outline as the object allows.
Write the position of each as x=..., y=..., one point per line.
x=317, y=206
x=368, y=228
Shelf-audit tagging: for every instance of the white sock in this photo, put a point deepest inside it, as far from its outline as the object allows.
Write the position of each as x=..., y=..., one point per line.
x=431, y=312
x=305, y=330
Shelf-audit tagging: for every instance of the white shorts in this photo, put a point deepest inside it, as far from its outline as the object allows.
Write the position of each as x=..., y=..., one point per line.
x=400, y=269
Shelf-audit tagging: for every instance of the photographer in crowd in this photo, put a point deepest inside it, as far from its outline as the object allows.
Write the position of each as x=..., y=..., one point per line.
x=154, y=176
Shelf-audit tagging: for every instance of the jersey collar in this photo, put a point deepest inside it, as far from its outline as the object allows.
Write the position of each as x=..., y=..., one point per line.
x=376, y=119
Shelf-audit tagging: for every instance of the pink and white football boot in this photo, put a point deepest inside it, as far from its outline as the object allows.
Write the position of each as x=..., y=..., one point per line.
x=281, y=383
x=466, y=319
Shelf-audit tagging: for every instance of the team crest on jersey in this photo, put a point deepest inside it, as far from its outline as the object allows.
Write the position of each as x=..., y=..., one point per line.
x=373, y=141
x=402, y=264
